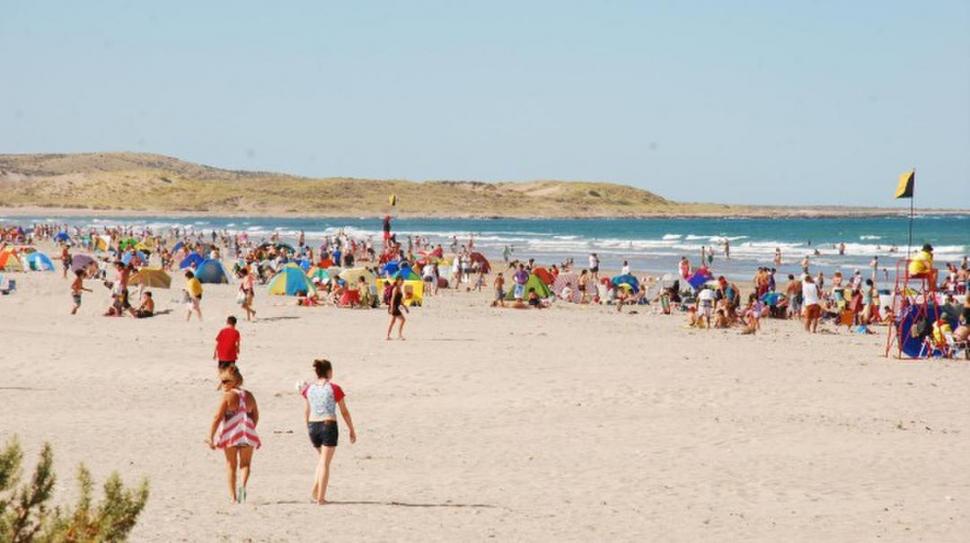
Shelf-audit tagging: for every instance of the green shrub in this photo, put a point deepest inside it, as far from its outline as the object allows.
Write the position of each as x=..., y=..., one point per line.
x=26, y=517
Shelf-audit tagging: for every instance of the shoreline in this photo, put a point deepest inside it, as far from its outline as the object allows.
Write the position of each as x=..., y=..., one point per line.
x=749, y=212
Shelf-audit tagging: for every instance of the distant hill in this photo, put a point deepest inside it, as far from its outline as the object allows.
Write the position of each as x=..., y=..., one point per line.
x=147, y=182
x=140, y=182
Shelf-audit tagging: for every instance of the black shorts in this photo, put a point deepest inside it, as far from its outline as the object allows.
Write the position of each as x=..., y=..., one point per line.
x=323, y=433
x=595, y=269
x=223, y=364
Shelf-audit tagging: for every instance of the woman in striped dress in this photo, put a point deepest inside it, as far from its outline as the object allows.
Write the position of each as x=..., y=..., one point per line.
x=235, y=422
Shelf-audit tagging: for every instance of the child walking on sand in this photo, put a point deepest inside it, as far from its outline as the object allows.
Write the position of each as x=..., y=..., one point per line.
x=77, y=287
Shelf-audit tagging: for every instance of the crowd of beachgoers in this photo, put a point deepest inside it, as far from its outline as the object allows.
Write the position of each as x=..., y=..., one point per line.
x=395, y=274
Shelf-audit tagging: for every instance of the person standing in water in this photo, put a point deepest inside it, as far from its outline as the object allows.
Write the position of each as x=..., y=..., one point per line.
x=235, y=422
x=395, y=307
x=321, y=400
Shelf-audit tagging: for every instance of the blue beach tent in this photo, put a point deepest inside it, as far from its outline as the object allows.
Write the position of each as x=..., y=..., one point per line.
x=211, y=271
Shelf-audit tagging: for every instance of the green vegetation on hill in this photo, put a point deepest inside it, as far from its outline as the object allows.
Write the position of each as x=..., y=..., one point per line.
x=154, y=183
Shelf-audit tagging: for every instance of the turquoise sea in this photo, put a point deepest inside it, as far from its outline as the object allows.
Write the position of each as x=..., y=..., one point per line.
x=650, y=245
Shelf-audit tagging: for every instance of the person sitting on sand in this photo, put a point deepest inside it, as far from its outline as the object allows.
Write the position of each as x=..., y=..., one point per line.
x=321, y=400
x=566, y=294
x=721, y=319
x=146, y=307
x=535, y=301
x=751, y=316
x=235, y=422
x=363, y=293
x=693, y=319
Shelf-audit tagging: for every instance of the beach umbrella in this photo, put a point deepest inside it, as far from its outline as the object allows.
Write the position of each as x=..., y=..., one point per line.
x=627, y=280
x=352, y=275
x=482, y=262
x=699, y=277
x=178, y=246
x=151, y=277
x=62, y=237
x=81, y=262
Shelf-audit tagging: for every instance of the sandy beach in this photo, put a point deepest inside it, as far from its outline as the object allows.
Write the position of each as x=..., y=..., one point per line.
x=575, y=423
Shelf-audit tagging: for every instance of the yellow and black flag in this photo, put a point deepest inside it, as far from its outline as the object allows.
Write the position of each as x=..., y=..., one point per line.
x=905, y=187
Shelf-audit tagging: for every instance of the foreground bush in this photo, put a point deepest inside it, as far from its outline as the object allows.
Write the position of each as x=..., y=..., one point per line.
x=26, y=517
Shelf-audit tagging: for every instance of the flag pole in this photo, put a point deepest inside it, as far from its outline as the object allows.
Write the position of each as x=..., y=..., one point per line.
x=912, y=208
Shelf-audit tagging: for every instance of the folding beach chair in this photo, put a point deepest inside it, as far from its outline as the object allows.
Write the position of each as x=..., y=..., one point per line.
x=11, y=287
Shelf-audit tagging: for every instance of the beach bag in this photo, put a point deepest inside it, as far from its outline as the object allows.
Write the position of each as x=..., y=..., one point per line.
x=241, y=297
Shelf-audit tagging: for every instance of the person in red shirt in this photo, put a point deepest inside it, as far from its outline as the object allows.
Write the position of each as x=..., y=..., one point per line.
x=227, y=344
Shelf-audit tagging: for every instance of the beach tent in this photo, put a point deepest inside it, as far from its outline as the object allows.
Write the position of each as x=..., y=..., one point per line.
x=38, y=261
x=9, y=262
x=390, y=268
x=145, y=246
x=101, y=243
x=544, y=274
x=81, y=262
x=129, y=243
x=62, y=237
x=130, y=255
x=191, y=261
x=541, y=288
x=628, y=280
x=319, y=274
x=212, y=271
x=699, y=277
x=290, y=281
x=412, y=286
x=560, y=284
x=151, y=277
x=352, y=275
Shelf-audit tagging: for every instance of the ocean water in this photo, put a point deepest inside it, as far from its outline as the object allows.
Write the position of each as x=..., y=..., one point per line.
x=650, y=245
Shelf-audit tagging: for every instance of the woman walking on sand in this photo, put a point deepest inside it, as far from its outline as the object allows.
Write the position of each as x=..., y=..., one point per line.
x=247, y=288
x=235, y=421
x=321, y=400
x=395, y=307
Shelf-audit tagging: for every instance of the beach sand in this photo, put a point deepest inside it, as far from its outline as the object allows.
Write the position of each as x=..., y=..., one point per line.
x=575, y=423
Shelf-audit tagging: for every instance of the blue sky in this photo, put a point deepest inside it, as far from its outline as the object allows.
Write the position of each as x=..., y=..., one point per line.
x=744, y=102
